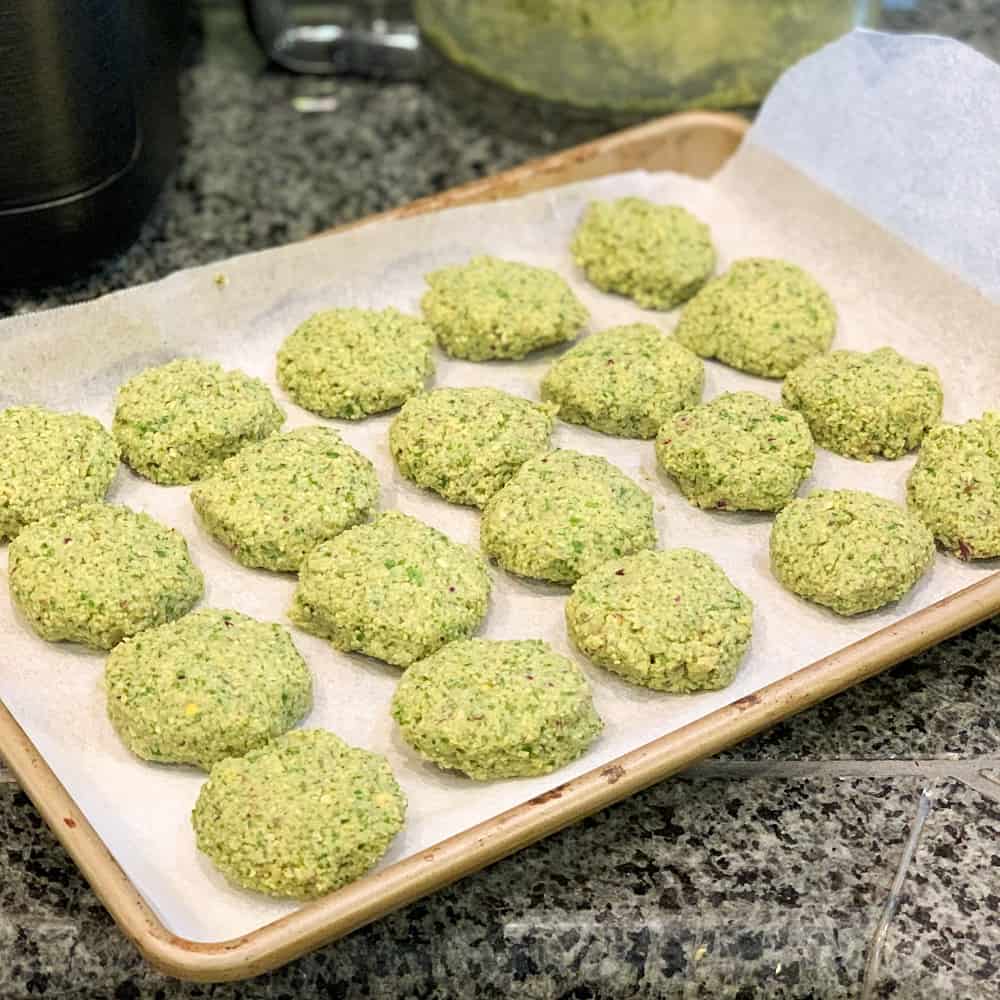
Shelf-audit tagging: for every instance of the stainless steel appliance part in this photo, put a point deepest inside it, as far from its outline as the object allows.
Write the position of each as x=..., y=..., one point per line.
x=372, y=39
x=88, y=126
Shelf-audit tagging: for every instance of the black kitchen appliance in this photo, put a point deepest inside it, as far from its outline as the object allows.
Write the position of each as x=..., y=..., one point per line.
x=88, y=127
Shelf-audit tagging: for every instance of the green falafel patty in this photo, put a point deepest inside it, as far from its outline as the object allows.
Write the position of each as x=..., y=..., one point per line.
x=849, y=550
x=395, y=589
x=351, y=363
x=490, y=709
x=491, y=308
x=180, y=421
x=211, y=685
x=52, y=462
x=671, y=621
x=762, y=316
x=299, y=817
x=739, y=451
x=466, y=443
x=277, y=500
x=564, y=514
x=99, y=574
x=625, y=381
x=955, y=486
x=862, y=405
x=657, y=255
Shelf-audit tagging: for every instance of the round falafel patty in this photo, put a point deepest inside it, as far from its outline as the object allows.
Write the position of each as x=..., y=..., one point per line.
x=739, y=451
x=625, y=381
x=395, y=589
x=52, y=462
x=671, y=621
x=299, y=817
x=351, y=363
x=849, y=550
x=496, y=709
x=563, y=515
x=180, y=421
x=863, y=405
x=491, y=308
x=101, y=573
x=277, y=500
x=211, y=685
x=762, y=316
x=465, y=444
x=657, y=255
x=955, y=486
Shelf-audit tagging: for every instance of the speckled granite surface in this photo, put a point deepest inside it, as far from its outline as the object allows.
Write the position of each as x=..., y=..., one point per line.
x=761, y=874
x=706, y=887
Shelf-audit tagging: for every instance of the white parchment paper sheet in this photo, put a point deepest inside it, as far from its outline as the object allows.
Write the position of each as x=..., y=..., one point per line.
x=886, y=293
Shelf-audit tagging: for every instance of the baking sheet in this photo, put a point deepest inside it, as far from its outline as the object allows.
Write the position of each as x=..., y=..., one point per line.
x=239, y=311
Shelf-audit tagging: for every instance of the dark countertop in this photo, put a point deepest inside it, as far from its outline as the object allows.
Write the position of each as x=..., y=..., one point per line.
x=760, y=873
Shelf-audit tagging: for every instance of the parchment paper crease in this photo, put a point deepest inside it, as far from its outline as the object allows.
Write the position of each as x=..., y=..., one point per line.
x=886, y=293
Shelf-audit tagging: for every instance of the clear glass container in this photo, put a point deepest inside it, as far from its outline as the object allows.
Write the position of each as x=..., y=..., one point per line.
x=637, y=56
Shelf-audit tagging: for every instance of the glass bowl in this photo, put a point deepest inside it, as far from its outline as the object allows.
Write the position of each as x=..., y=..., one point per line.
x=638, y=56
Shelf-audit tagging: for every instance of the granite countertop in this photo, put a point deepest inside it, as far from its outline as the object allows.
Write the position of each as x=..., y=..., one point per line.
x=763, y=872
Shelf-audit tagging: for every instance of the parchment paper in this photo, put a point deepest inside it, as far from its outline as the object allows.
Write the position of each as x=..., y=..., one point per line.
x=885, y=291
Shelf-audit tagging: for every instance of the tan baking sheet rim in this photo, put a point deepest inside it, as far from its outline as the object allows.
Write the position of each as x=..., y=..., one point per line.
x=695, y=143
